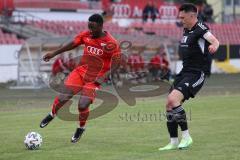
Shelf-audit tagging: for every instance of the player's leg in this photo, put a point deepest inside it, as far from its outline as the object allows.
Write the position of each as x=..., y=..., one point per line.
x=179, y=116
x=83, y=108
x=192, y=86
x=174, y=100
x=72, y=86
x=58, y=103
x=88, y=95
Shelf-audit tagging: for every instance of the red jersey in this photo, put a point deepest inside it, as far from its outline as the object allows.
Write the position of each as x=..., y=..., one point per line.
x=98, y=52
x=165, y=63
x=59, y=66
x=156, y=61
x=136, y=62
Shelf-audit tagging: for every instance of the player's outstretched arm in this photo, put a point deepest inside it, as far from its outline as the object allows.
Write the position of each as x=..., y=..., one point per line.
x=64, y=48
x=214, y=43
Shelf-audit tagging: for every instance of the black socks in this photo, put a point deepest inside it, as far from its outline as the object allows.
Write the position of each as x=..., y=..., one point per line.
x=180, y=117
x=176, y=117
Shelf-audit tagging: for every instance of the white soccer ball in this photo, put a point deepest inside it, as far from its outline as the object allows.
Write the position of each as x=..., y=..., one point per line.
x=33, y=140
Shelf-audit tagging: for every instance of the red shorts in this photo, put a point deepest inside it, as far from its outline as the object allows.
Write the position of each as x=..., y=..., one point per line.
x=76, y=83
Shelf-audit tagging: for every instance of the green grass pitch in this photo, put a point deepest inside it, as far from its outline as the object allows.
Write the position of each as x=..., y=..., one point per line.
x=129, y=133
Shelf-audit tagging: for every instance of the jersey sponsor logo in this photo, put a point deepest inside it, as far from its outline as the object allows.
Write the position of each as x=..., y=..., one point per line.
x=184, y=45
x=94, y=51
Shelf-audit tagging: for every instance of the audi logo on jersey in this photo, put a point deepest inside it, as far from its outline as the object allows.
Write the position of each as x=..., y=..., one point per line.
x=94, y=50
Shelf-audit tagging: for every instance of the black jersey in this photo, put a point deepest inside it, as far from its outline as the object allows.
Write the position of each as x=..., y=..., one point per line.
x=194, y=49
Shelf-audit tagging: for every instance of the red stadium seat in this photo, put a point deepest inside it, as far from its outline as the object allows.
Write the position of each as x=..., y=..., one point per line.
x=226, y=33
x=6, y=38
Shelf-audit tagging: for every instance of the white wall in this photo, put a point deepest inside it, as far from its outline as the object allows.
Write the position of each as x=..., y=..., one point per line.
x=235, y=62
x=8, y=62
x=8, y=73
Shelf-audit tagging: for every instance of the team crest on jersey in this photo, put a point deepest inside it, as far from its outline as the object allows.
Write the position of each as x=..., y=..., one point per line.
x=110, y=47
x=184, y=39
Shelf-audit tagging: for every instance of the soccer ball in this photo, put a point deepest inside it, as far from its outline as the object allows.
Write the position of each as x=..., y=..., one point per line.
x=33, y=140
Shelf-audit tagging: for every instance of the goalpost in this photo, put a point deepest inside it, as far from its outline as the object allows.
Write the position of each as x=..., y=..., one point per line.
x=33, y=72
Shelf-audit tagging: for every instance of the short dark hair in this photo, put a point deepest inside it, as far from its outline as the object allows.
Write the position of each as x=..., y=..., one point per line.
x=96, y=18
x=188, y=7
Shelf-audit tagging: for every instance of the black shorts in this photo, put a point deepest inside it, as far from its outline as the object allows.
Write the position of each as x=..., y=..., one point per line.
x=188, y=83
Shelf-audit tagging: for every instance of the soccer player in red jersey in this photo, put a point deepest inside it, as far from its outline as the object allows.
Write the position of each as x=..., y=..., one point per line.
x=101, y=57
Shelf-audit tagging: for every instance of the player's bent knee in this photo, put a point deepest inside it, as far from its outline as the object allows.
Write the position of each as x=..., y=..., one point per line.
x=84, y=102
x=172, y=102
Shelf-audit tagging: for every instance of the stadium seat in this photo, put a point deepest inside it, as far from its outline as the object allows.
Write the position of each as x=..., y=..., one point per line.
x=226, y=33
x=6, y=38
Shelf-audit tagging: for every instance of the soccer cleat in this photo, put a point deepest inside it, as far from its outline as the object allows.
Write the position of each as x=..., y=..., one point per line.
x=170, y=146
x=46, y=120
x=185, y=143
x=77, y=135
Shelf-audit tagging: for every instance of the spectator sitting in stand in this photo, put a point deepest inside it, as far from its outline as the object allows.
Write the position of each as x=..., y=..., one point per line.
x=71, y=63
x=155, y=67
x=150, y=11
x=59, y=71
x=136, y=67
x=205, y=11
x=165, y=70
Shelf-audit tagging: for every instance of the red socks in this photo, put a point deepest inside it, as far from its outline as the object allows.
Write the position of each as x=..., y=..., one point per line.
x=83, y=116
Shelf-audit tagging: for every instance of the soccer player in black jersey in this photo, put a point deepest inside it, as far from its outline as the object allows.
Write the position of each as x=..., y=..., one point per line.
x=197, y=46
